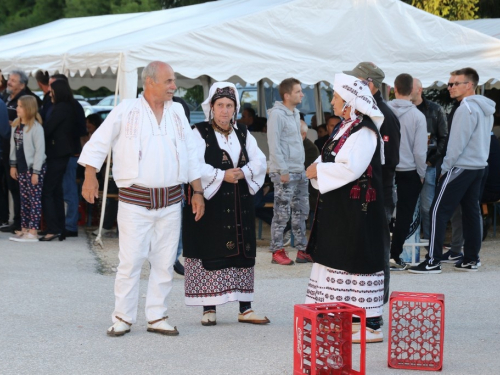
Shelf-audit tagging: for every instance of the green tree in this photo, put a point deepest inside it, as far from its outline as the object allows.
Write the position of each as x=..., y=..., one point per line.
x=452, y=10
x=134, y=6
x=18, y=15
x=489, y=9
x=79, y=8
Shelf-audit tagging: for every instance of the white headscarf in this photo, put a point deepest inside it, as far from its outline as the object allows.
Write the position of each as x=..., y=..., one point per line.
x=357, y=95
x=208, y=101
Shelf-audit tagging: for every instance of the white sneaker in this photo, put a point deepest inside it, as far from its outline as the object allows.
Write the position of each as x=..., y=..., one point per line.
x=161, y=326
x=19, y=234
x=119, y=328
x=372, y=335
x=26, y=237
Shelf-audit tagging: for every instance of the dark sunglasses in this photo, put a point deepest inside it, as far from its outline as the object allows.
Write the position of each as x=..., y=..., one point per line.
x=451, y=84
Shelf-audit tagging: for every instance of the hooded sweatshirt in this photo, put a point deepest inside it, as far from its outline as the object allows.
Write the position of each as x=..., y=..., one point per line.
x=413, y=146
x=469, y=140
x=286, y=150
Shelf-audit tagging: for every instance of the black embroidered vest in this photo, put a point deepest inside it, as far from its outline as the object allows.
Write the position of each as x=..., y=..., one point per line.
x=217, y=235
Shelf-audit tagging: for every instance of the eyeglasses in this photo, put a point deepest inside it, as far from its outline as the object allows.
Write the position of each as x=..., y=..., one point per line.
x=451, y=84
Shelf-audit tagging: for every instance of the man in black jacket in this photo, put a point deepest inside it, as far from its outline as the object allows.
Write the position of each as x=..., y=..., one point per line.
x=437, y=130
x=17, y=86
x=391, y=135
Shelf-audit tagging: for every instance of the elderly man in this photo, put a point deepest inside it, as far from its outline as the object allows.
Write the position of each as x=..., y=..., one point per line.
x=153, y=153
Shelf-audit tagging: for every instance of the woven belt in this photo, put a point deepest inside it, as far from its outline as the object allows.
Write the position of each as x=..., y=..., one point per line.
x=151, y=198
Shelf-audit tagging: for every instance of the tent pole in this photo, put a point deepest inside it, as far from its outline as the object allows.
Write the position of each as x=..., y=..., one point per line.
x=320, y=116
x=98, y=239
x=261, y=99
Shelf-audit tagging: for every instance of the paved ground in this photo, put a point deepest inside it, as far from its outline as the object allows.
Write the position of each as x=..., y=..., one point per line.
x=55, y=307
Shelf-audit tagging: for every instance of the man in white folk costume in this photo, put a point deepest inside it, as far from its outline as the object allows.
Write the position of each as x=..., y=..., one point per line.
x=346, y=241
x=153, y=153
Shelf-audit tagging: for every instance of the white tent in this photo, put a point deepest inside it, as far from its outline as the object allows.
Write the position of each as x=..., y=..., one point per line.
x=247, y=41
x=488, y=26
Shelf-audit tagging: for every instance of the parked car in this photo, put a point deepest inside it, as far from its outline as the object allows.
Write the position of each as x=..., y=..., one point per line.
x=102, y=111
x=109, y=101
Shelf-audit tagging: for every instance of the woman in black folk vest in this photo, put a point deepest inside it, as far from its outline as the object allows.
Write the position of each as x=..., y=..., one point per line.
x=220, y=248
x=346, y=241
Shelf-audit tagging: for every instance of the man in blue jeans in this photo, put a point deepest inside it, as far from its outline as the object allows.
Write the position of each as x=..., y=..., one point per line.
x=437, y=131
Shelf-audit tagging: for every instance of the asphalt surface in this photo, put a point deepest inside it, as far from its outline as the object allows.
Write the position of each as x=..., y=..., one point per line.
x=55, y=307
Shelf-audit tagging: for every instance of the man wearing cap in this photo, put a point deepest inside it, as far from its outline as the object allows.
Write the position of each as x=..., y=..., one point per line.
x=391, y=135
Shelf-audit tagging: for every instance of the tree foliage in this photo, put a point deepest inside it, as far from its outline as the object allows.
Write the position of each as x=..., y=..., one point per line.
x=452, y=10
x=16, y=15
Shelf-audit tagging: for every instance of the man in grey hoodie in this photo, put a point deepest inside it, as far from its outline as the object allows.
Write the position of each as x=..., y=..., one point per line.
x=286, y=171
x=461, y=173
x=410, y=172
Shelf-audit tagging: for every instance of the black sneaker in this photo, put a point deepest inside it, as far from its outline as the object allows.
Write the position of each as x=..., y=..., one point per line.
x=426, y=267
x=5, y=224
x=397, y=265
x=450, y=257
x=469, y=266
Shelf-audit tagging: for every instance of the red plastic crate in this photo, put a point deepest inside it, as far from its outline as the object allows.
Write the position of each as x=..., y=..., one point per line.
x=323, y=339
x=416, y=331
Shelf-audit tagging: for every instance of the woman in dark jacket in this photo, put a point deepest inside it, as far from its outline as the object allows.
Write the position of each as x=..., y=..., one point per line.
x=58, y=130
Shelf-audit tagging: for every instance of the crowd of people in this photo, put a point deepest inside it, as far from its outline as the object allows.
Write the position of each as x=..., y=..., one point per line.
x=41, y=141
x=372, y=160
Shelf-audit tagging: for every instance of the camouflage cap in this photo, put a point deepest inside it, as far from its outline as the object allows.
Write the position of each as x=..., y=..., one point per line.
x=368, y=71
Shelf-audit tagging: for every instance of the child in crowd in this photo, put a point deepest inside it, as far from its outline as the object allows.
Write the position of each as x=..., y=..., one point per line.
x=27, y=165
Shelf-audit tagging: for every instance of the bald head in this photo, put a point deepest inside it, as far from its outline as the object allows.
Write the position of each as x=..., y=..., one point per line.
x=416, y=93
x=158, y=79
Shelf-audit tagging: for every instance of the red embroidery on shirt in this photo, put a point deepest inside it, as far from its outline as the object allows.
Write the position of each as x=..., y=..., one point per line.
x=386, y=138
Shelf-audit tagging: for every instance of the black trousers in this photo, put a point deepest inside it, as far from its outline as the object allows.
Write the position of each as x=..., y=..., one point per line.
x=458, y=186
x=53, y=195
x=408, y=191
x=13, y=187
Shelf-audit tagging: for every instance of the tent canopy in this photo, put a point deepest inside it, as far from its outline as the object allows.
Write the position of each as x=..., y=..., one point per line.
x=247, y=41
x=488, y=26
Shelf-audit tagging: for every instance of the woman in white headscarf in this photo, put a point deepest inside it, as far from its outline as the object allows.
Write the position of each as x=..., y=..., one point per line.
x=346, y=242
x=220, y=248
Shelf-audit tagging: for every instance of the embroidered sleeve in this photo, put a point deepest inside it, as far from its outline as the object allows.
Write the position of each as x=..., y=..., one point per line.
x=211, y=178
x=255, y=169
x=350, y=163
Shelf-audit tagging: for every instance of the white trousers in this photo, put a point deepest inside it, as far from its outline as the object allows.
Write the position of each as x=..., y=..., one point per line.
x=145, y=234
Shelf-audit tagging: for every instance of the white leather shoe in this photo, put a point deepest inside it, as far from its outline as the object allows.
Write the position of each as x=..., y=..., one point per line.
x=209, y=318
x=250, y=316
x=161, y=326
x=120, y=328
x=372, y=335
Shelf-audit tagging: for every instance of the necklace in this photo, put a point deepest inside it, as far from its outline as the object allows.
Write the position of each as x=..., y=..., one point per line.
x=218, y=129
